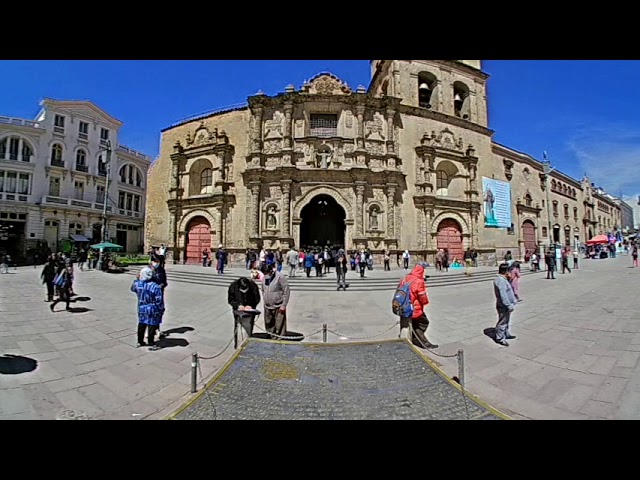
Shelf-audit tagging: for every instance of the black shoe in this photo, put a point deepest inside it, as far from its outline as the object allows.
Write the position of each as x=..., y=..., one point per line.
x=162, y=335
x=52, y=306
x=154, y=348
x=143, y=344
x=510, y=337
x=431, y=345
x=502, y=342
x=338, y=289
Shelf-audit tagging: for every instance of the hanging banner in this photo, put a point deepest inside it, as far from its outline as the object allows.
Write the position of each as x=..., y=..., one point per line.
x=497, y=203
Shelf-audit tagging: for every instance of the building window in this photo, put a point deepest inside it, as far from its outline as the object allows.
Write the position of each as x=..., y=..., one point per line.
x=575, y=213
x=81, y=161
x=54, y=186
x=131, y=175
x=544, y=232
x=323, y=125
x=138, y=178
x=10, y=149
x=136, y=203
x=102, y=166
x=104, y=134
x=206, y=179
x=83, y=130
x=58, y=121
x=528, y=201
x=129, y=201
x=56, y=155
x=442, y=183
x=24, y=183
x=566, y=210
x=555, y=207
x=100, y=194
x=553, y=185
x=79, y=190
x=121, y=200
x=2, y=181
x=76, y=228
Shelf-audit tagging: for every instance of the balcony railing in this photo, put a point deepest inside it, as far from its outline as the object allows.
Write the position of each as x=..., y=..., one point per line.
x=82, y=168
x=80, y=203
x=135, y=153
x=57, y=163
x=19, y=121
x=100, y=206
x=102, y=173
x=57, y=200
x=12, y=197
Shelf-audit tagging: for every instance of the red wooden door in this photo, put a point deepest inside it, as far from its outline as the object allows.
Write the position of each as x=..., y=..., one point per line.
x=529, y=236
x=450, y=237
x=198, y=239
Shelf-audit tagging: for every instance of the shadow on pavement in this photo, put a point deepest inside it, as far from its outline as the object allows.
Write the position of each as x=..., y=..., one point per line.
x=180, y=330
x=490, y=332
x=80, y=310
x=81, y=299
x=16, y=364
x=173, y=342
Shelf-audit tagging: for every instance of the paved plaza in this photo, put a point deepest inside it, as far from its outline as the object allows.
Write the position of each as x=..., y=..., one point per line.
x=575, y=356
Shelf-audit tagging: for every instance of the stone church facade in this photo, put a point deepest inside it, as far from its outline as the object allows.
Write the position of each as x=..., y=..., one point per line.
x=397, y=166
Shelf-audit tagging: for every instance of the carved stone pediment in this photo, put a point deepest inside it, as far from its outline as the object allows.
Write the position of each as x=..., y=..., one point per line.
x=446, y=140
x=203, y=137
x=326, y=84
x=273, y=128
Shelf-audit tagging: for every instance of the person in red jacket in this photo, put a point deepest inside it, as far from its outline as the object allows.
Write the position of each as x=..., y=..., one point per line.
x=419, y=300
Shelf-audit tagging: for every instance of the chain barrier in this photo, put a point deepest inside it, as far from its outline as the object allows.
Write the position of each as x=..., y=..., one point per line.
x=291, y=337
x=364, y=338
x=460, y=379
x=217, y=354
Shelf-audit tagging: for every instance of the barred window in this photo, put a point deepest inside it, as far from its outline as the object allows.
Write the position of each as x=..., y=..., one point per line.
x=324, y=125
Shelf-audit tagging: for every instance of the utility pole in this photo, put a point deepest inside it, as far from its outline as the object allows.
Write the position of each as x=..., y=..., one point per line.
x=547, y=168
x=104, y=206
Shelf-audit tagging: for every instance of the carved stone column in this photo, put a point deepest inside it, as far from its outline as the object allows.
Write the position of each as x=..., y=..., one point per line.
x=391, y=212
x=255, y=210
x=286, y=201
x=426, y=229
x=257, y=129
x=359, y=206
x=390, y=131
x=288, y=110
x=360, y=109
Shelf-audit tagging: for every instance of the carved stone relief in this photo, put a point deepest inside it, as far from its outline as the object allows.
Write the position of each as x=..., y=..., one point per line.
x=299, y=128
x=272, y=146
x=273, y=127
x=375, y=148
x=445, y=139
x=375, y=128
x=348, y=119
x=275, y=191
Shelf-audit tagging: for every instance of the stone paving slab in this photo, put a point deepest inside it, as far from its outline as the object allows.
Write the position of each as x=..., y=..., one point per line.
x=580, y=330
x=373, y=381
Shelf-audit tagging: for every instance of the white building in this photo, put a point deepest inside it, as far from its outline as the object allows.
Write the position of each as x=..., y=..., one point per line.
x=53, y=180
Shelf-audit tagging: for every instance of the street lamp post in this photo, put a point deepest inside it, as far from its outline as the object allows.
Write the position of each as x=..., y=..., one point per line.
x=104, y=206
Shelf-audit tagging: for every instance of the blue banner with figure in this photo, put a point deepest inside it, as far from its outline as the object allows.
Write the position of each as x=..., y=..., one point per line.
x=497, y=203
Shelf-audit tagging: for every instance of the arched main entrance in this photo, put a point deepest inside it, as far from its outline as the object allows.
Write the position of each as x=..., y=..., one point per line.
x=529, y=235
x=450, y=237
x=198, y=239
x=322, y=223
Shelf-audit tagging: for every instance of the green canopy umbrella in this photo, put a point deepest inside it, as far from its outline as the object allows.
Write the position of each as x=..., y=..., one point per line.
x=106, y=246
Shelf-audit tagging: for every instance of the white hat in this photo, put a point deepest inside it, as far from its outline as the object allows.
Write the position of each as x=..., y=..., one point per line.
x=146, y=274
x=220, y=246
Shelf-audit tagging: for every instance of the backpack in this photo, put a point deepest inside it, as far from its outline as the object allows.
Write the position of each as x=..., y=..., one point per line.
x=60, y=280
x=401, y=304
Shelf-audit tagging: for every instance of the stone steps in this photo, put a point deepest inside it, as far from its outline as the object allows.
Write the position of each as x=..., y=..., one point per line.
x=388, y=282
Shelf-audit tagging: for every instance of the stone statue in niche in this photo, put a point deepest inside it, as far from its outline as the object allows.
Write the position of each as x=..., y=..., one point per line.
x=272, y=222
x=324, y=156
x=373, y=218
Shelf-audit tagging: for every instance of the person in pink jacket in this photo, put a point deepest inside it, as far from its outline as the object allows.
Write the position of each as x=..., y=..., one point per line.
x=515, y=279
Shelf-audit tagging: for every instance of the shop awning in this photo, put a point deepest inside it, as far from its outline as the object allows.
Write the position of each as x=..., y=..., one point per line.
x=79, y=238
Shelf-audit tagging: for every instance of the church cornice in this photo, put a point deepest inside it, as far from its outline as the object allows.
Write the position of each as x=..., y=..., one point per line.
x=441, y=117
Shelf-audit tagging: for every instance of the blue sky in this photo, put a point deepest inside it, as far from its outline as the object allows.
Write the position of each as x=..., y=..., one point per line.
x=583, y=113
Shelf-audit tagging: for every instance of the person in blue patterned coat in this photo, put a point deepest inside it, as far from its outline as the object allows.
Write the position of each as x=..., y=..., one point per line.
x=150, y=307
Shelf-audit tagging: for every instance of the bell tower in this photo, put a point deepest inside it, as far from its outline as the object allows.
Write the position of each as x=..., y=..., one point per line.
x=451, y=87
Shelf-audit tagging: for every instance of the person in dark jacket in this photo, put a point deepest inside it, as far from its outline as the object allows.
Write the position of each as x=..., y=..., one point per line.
x=47, y=275
x=63, y=286
x=243, y=294
x=159, y=277
x=341, y=271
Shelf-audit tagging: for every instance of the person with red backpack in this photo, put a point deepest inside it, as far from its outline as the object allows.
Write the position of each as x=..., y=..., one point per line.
x=409, y=302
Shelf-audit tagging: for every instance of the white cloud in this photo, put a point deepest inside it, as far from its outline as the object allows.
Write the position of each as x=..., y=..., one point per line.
x=610, y=155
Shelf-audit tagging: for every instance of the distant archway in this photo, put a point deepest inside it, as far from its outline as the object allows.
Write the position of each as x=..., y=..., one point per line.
x=198, y=239
x=323, y=223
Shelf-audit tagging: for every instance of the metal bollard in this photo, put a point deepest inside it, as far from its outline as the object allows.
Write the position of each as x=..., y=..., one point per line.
x=461, y=367
x=324, y=333
x=194, y=372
